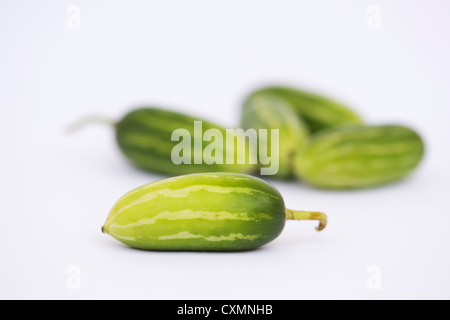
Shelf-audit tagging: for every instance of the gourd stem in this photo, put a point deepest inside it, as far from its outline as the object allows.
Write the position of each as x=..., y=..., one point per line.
x=309, y=216
x=88, y=121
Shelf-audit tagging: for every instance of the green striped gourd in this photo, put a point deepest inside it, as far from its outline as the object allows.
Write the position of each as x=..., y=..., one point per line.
x=359, y=157
x=265, y=110
x=144, y=136
x=318, y=112
x=202, y=212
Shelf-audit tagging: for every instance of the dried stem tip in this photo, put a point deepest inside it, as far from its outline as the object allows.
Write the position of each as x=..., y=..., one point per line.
x=308, y=216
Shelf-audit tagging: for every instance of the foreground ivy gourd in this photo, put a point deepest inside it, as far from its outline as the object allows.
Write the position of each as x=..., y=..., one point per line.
x=203, y=212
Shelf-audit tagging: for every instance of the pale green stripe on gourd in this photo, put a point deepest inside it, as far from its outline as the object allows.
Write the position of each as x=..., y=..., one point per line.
x=358, y=157
x=206, y=212
x=184, y=193
x=190, y=215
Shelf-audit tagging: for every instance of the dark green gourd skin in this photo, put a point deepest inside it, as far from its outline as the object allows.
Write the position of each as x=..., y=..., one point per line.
x=144, y=137
x=359, y=157
x=199, y=212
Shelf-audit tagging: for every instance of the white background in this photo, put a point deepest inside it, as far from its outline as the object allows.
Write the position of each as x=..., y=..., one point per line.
x=202, y=57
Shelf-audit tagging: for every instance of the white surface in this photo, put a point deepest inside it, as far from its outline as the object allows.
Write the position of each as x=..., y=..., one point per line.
x=201, y=57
